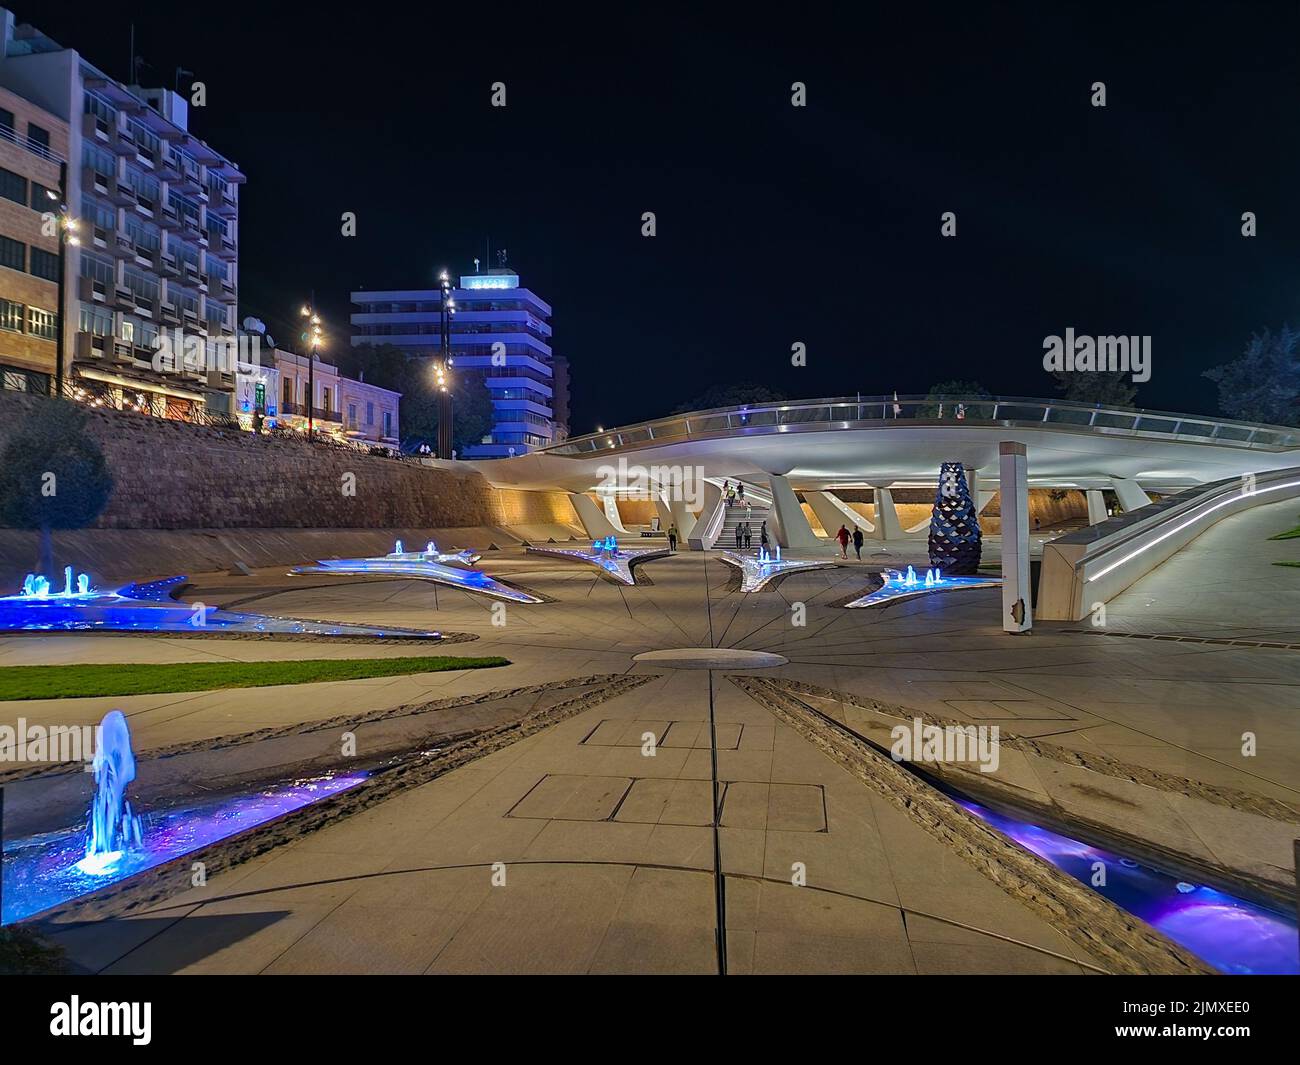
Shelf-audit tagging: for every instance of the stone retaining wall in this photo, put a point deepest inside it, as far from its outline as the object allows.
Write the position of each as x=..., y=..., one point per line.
x=173, y=475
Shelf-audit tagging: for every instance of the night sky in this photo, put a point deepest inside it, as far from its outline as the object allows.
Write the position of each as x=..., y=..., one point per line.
x=775, y=224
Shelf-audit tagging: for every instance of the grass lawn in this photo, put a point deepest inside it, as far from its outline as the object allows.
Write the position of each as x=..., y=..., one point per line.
x=83, y=681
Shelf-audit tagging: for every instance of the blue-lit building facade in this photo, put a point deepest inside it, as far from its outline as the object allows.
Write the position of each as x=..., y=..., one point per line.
x=500, y=337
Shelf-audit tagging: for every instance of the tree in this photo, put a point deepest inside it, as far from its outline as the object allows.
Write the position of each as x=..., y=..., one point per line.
x=1263, y=383
x=471, y=411
x=53, y=475
x=942, y=404
x=738, y=395
x=1102, y=387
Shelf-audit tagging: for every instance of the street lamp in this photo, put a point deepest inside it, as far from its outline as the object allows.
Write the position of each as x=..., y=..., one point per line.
x=313, y=335
x=66, y=226
x=442, y=370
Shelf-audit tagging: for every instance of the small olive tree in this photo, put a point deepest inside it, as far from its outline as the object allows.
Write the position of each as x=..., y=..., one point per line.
x=52, y=475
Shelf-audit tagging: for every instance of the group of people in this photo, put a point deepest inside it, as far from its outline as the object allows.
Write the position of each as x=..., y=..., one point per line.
x=745, y=535
x=843, y=537
x=733, y=493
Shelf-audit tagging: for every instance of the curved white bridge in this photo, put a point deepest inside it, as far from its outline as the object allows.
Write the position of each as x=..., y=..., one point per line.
x=883, y=442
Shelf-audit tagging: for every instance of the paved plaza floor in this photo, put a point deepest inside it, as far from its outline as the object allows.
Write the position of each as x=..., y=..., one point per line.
x=574, y=850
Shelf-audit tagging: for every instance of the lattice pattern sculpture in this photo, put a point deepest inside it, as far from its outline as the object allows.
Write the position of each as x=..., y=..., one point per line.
x=955, y=536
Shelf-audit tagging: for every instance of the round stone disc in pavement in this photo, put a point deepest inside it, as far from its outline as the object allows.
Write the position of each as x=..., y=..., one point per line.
x=711, y=658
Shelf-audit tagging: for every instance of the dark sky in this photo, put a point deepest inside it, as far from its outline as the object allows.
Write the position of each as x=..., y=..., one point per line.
x=775, y=224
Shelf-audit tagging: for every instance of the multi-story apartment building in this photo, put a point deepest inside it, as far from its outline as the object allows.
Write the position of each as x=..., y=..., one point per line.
x=499, y=337
x=33, y=146
x=277, y=387
x=158, y=214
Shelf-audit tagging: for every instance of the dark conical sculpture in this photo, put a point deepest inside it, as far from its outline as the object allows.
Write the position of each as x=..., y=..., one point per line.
x=954, y=525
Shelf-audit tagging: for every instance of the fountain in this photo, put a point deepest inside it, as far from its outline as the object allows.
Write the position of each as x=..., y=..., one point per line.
x=149, y=607
x=113, y=827
x=452, y=568
x=897, y=585
x=606, y=555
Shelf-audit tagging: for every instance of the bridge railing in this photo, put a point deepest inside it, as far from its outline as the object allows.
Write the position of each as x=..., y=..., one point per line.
x=875, y=411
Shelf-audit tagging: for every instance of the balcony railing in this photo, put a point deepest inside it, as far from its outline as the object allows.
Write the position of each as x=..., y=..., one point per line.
x=35, y=147
x=883, y=411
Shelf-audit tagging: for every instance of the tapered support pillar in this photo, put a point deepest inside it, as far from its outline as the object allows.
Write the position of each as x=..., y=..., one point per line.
x=832, y=513
x=1017, y=589
x=888, y=526
x=593, y=519
x=792, y=529
x=683, y=519
x=1096, y=507
x=611, y=511
x=664, y=511
x=1130, y=494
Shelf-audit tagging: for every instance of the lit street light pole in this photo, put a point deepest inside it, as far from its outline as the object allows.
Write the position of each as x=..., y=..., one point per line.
x=313, y=335
x=66, y=226
x=443, y=368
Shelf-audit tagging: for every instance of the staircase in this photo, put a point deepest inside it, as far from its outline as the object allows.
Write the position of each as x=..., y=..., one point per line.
x=736, y=515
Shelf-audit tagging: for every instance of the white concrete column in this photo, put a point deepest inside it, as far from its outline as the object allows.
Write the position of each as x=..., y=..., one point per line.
x=1096, y=506
x=1130, y=494
x=887, y=523
x=978, y=493
x=791, y=527
x=1017, y=588
x=593, y=520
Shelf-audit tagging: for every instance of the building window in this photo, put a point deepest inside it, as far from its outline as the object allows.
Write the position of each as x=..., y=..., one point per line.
x=352, y=415
x=13, y=253
x=38, y=137
x=325, y=400
x=288, y=391
x=96, y=322
x=45, y=264
x=43, y=324
x=11, y=315
x=42, y=198
x=6, y=120
x=370, y=414
x=388, y=423
x=13, y=186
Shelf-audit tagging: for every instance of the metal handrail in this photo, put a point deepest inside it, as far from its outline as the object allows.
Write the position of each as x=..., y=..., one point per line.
x=844, y=411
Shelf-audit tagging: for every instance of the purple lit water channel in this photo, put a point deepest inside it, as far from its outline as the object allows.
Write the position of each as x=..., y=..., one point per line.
x=42, y=871
x=1232, y=934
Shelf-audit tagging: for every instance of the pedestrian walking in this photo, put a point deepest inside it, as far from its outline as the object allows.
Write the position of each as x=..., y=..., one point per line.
x=857, y=542
x=672, y=537
x=843, y=537
x=740, y=532
x=740, y=490
x=762, y=536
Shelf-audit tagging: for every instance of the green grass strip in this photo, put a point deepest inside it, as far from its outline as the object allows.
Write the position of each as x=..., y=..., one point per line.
x=138, y=678
x=1286, y=563
x=1290, y=534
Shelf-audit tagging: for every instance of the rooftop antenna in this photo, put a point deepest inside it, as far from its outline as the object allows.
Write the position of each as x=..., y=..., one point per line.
x=476, y=266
